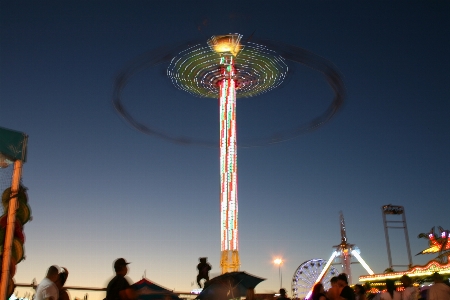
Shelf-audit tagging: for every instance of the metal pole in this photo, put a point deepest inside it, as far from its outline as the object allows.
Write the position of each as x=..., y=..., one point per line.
x=407, y=239
x=12, y=207
x=279, y=276
x=388, y=246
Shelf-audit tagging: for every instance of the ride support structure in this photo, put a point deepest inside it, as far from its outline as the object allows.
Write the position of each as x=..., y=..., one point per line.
x=227, y=47
x=344, y=253
x=230, y=68
x=395, y=210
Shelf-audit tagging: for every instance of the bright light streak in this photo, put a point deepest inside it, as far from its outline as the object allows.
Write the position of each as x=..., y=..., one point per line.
x=309, y=294
x=327, y=266
x=324, y=270
x=363, y=263
x=278, y=261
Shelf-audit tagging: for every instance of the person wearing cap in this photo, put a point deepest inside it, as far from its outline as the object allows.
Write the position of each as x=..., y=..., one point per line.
x=47, y=290
x=119, y=288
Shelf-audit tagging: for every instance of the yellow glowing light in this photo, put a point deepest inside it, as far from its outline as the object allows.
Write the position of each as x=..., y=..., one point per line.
x=365, y=265
x=322, y=273
x=432, y=249
x=278, y=261
x=427, y=270
x=226, y=44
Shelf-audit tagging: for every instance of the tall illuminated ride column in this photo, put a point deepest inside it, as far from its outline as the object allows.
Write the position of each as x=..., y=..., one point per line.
x=229, y=67
x=228, y=47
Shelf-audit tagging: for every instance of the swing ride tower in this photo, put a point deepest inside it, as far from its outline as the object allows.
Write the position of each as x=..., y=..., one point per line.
x=228, y=47
x=229, y=68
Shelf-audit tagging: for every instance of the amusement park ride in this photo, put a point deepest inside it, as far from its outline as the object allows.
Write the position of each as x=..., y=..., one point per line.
x=317, y=270
x=438, y=243
x=229, y=68
x=222, y=68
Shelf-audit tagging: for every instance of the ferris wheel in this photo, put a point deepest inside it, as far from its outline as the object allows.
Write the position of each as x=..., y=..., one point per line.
x=306, y=275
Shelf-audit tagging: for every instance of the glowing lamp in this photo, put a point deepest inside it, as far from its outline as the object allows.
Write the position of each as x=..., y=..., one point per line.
x=226, y=44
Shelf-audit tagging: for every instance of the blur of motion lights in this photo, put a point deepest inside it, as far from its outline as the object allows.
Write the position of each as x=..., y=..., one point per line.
x=259, y=66
x=226, y=47
x=229, y=68
x=257, y=70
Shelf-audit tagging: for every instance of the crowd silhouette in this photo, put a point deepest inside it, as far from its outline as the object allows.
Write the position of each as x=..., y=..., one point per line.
x=119, y=288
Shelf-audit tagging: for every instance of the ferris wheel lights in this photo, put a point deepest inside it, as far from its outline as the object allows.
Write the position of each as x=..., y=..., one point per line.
x=325, y=269
x=311, y=272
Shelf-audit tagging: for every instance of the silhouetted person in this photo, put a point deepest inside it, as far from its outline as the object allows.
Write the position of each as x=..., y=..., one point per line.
x=391, y=293
x=333, y=281
x=203, y=270
x=439, y=290
x=334, y=291
x=63, y=294
x=47, y=290
x=410, y=292
x=346, y=292
x=119, y=287
x=283, y=295
x=360, y=292
x=318, y=292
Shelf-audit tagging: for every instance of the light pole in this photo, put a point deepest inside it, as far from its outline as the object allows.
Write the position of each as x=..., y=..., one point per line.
x=279, y=261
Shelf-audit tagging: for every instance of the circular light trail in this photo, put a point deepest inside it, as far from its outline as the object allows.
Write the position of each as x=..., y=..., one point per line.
x=257, y=70
x=193, y=68
x=227, y=69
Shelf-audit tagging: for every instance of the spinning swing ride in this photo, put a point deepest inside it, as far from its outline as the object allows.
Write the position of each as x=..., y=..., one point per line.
x=228, y=68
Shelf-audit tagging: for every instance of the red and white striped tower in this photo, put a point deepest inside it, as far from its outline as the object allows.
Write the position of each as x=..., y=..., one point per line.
x=228, y=47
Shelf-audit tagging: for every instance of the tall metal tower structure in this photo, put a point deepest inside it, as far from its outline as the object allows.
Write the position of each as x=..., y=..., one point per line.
x=229, y=68
x=344, y=251
x=227, y=46
x=395, y=210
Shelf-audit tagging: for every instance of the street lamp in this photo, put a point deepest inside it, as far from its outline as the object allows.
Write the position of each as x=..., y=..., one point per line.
x=279, y=261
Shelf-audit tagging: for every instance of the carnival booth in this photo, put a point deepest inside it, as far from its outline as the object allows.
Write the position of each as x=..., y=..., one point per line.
x=438, y=244
x=147, y=290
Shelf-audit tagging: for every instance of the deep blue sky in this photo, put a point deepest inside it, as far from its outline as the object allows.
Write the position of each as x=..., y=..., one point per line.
x=99, y=189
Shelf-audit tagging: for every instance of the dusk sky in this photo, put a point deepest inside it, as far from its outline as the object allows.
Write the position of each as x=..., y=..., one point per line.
x=100, y=189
